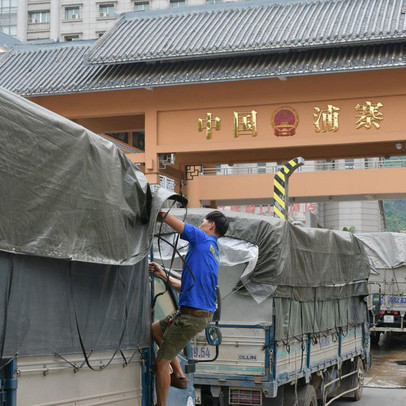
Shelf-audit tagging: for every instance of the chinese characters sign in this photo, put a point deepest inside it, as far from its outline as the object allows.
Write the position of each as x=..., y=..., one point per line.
x=326, y=120
x=207, y=124
x=245, y=123
x=285, y=120
x=369, y=115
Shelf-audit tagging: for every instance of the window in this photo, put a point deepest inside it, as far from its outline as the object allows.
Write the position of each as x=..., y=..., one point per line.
x=122, y=136
x=262, y=167
x=71, y=37
x=38, y=17
x=72, y=13
x=349, y=164
x=9, y=29
x=139, y=139
x=106, y=10
x=214, y=1
x=141, y=6
x=177, y=3
x=8, y=14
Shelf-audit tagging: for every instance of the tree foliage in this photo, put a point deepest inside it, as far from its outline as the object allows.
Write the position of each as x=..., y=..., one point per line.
x=349, y=229
x=395, y=215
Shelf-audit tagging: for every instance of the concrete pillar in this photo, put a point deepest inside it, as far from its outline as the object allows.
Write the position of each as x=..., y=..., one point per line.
x=192, y=193
x=151, y=141
x=22, y=16
x=55, y=20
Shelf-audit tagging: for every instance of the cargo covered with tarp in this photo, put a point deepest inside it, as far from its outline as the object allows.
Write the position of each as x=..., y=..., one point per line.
x=385, y=250
x=67, y=192
x=315, y=279
x=75, y=230
x=387, y=283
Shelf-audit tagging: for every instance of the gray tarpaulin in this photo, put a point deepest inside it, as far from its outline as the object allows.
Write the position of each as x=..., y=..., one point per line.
x=296, y=263
x=314, y=280
x=76, y=223
x=110, y=301
x=68, y=193
x=232, y=251
x=384, y=250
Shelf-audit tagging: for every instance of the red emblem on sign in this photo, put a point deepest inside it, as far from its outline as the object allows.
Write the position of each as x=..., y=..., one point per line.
x=285, y=121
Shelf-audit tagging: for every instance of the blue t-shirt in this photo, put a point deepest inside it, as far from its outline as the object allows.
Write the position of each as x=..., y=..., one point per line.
x=203, y=260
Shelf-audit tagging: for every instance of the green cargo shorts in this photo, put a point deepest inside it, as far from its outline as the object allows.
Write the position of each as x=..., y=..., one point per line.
x=177, y=330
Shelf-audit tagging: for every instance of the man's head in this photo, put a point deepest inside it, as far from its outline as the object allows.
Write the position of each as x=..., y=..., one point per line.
x=215, y=223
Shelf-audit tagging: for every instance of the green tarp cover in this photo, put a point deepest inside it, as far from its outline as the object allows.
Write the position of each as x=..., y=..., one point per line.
x=68, y=193
x=303, y=264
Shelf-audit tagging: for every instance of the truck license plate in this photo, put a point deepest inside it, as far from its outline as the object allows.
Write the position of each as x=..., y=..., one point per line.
x=388, y=319
x=201, y=352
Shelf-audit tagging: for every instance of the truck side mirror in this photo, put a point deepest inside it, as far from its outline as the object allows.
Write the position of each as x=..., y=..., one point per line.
x=213, y=335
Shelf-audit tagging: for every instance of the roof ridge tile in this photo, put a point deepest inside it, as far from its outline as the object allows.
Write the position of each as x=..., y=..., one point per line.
x=60, y=69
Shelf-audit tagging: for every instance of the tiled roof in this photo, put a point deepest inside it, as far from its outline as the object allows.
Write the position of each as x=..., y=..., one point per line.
x=7, y=41
x=35, y=70
x=241, y=28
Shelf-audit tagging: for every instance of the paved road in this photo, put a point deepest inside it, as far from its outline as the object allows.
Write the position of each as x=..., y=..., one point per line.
x=388, y=363
x=377, y=397
x=385, y=382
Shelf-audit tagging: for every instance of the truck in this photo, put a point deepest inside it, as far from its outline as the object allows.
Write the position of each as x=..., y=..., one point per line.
x=387, y=282
x=77, y=219
x=293, y=315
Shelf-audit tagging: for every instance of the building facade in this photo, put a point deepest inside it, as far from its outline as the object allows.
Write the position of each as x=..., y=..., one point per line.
x=67, y=20
x=8, y=17
x=323, y=68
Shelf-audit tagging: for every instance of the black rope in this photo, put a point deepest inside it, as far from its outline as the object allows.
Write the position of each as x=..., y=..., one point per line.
x=74, y=366
x=82, y=346
x=167, y=273
x=9, y=361
x=138, y=349
x=175, y=251
x=181, y=258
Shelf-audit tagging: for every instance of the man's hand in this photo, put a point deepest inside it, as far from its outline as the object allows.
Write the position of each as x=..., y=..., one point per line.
x=157, y=270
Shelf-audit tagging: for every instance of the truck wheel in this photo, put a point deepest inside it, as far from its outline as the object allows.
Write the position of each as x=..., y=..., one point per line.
x=375, y=335
x=306, y=396
x=358, y=381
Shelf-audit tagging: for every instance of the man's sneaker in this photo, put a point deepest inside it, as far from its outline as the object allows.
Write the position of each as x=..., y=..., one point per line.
x=178, y=382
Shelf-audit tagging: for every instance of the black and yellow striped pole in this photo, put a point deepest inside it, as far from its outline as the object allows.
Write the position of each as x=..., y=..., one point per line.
x=280, y=191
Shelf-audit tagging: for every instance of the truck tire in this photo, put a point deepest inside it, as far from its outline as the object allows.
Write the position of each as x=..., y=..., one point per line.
x=306, y=396
x=375, y=335
x=358, y=381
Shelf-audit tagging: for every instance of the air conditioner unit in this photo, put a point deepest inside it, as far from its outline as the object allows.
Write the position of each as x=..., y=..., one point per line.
x=32, y=21
x=103, y=15
x=75, y=16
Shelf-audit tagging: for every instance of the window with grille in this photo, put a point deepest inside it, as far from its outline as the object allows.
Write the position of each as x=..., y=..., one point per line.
x=39, y=17
x=177, y=3
x=106, y=10
x=141, y=5
x=72, y=13
x=72, y=37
